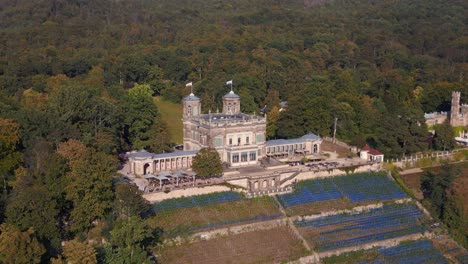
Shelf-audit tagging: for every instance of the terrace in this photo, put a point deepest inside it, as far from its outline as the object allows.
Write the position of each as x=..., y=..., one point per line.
x=188, y=214
x=390, y=221
x=361, y=187
x=420, y=251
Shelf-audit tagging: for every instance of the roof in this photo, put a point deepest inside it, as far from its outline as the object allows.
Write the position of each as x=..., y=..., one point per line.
x=463, y=140
x=231, y=94
x=140, y=154
x=434, y=115
x=143, y=154
x=307, y=137
x=175, y=154
x=191, y=97
x=371, y=150
x=217, y=118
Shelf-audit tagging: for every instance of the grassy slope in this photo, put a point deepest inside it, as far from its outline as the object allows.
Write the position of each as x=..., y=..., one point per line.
x=172, y=114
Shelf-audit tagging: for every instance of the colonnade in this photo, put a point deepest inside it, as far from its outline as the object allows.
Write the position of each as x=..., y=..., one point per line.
x=155, y=165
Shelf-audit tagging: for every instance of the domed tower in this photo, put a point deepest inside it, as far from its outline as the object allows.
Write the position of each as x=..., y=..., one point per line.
x=231, y=103
x=192, y=106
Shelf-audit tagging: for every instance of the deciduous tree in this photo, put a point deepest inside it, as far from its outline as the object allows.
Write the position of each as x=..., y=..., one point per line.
x=129, y=200
x=19, y=247
x=207, y=163
x=79, y=252
x=444, y=137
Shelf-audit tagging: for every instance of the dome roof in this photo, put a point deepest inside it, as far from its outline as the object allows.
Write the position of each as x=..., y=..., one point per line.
x=191, y=97
x=231, y=94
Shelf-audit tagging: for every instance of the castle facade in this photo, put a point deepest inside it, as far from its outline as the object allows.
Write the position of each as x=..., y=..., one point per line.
x=458, y=115
x=458, y=112
x=239, y=139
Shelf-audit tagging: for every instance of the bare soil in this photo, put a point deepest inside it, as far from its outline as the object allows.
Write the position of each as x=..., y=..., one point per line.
x=342, y=152
x=449, y=247
x=413, y=181
x=266, y=246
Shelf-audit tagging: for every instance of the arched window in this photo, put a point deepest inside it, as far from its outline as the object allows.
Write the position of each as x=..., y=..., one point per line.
x=315, y=148
x=146, y=168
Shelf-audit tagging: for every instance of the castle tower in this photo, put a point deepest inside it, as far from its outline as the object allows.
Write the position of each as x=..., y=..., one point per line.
x=192, y=106
x=231, y=103
x=455, y=108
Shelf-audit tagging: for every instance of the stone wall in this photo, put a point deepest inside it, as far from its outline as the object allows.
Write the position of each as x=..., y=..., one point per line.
x=160, y=196
x=243, y=183
x=307, y=175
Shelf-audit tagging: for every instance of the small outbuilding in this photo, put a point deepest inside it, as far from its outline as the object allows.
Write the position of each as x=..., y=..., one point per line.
x=370, y=154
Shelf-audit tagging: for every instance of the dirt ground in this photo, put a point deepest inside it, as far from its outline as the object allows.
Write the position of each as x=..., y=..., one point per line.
x=449, y=247
x=413, y=181
x=266, y=246
x=342, y=152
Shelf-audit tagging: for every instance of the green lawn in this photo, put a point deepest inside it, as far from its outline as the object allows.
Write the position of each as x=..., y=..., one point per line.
x=172, y=114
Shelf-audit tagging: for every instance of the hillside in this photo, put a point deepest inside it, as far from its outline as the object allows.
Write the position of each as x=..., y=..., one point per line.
x=78, y=80
x=377, y=60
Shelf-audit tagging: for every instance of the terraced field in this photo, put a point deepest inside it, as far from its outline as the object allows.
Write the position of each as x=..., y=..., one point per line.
x=408, y=252
x=314, y=196
x=189, y=214
x=348, y=230
x=324, y=234
x=266, y=246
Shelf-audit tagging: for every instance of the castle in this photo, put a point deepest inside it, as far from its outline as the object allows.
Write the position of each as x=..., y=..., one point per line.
x=458, y=115
x=239, y=139
x=458, y=112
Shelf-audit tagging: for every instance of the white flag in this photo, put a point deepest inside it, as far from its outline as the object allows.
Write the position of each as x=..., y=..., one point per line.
x=189, y=84
x=229, y=82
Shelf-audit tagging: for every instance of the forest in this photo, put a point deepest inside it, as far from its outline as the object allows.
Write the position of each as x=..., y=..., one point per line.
x=78, y=77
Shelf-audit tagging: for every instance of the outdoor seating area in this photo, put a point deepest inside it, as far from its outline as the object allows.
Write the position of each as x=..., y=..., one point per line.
x=169, y=180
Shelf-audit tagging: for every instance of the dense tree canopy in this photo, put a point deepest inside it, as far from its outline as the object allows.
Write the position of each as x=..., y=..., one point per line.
x=77, y=80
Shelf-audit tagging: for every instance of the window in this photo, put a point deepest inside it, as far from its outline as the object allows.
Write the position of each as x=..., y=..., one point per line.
x=253, y=156
x=315, y=148
x=247, y=140
x=189, y=110
x=218, y=142
x=244, y=157
x=238, y=141
x=230, y=141
x=235, y=158
x=260, y=138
